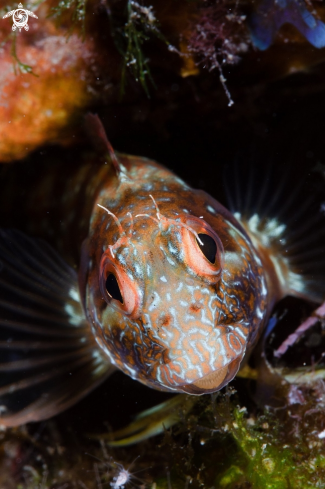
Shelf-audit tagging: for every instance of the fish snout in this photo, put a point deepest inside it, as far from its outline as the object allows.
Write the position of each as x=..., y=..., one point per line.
x=201, y=363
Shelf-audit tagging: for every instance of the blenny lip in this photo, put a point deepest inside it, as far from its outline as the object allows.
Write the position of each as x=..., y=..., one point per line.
x=214, y=380
x=203, y=363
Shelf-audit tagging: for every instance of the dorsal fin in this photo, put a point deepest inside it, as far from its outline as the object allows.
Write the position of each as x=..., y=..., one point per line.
x=99, y=138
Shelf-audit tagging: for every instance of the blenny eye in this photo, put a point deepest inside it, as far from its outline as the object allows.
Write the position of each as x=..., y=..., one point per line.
x=112, y=288
x=117, y=288
x=208, y=248
x=203, y=251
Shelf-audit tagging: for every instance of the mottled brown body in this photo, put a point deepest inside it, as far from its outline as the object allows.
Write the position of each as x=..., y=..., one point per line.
x=137, y=342
x=182, y=323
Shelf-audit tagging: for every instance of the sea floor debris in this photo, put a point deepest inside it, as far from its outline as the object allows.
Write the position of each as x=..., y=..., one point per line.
x=221, y=443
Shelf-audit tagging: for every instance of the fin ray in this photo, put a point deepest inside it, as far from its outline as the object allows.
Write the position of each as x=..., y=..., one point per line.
x=40, y=377
x=30, y=312
x=35, y=298
x=285, y=224
x=28, y=278
x=31, y=363
x=30, y=328
x=52, y=278
x=38, y=345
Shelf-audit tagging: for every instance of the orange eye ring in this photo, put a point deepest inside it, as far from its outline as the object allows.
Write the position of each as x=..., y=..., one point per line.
x=201, y=263
x=128, y=290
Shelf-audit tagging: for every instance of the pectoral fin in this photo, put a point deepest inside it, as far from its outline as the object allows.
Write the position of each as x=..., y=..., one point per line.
x=151, y=422
x=48, y=356
x=286, y=224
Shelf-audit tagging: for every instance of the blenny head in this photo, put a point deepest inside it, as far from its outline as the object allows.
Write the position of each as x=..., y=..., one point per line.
x=175, y=297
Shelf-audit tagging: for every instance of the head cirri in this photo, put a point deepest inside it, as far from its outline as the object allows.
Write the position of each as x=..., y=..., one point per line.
x=175, y=292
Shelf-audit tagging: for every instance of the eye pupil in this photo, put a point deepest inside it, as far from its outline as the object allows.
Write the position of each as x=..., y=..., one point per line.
x=209, y=247
x=112, y=288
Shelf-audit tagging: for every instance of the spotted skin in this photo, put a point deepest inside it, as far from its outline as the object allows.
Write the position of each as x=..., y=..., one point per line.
x=185, y=324
x=185, y=327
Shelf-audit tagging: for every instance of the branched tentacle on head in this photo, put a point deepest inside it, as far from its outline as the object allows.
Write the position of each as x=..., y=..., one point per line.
x=123, y=237
x=161, y=220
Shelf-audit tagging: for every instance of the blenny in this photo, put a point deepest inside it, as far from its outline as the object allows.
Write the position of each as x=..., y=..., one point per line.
x=172, y=288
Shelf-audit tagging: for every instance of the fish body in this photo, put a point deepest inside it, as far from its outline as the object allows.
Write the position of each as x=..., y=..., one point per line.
x=172, y=289
x=185, y=322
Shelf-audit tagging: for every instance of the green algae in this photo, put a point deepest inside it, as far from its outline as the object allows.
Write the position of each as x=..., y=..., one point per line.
x=266, y=462
x=131, y=31
x=76, y=9
x=130, y=37
x=228, y=447
x=34, y=479
x=136, y=34
x=19, y=66
x=220, y=443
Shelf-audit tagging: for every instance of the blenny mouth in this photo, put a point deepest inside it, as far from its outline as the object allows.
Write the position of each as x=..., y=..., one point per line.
x=214, y=380
x=204, y=361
